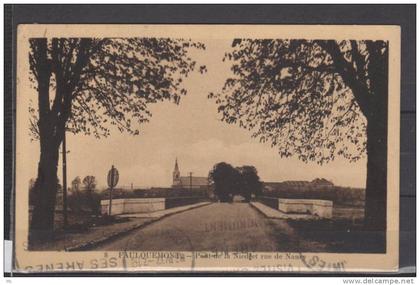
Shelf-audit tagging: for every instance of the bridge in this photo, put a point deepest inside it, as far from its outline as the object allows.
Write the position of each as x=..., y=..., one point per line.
x=214, y=227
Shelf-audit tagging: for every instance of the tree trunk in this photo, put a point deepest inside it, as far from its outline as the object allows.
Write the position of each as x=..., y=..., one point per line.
x=42, y=223
x=377, y=137
x=51, y=125
x=376, y=184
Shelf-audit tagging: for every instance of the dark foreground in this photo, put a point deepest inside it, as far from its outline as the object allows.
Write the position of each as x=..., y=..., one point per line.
x=221, y=227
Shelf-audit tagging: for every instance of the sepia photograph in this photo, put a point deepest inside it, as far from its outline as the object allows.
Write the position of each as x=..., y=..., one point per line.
x=175, y=146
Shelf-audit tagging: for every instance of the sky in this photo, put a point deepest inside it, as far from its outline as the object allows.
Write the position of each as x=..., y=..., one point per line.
x=193, y=133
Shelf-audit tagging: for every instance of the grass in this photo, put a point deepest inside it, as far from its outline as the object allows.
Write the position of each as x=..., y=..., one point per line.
x=83, y=228
x=340, y=235
x=343, y=233
x=79, y=222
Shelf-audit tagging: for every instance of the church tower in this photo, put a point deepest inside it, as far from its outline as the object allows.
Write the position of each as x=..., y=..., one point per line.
x=176, y=174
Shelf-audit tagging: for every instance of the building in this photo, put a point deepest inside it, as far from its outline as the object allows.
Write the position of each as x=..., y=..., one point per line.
x=316, y=184
x=322, y=183
x=192, y=182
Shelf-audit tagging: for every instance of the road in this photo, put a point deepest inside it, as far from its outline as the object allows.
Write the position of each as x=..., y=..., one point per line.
x=215, y=227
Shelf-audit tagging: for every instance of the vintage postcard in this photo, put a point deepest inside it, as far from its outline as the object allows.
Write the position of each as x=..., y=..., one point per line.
x=204, y=148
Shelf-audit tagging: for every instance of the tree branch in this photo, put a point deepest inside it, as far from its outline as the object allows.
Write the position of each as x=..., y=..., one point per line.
x=340, y=119
x=347, y=72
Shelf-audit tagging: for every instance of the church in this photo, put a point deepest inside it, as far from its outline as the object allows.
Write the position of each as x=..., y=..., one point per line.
x=187, y=182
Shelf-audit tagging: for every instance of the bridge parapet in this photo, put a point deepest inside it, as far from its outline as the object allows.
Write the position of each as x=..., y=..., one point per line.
x=315, y=207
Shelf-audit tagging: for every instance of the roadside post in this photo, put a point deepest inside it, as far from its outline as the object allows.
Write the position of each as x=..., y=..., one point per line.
x=112, y=180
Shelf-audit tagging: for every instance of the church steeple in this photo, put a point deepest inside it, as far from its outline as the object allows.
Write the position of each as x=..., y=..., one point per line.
x=176, y=174
x=176, y=165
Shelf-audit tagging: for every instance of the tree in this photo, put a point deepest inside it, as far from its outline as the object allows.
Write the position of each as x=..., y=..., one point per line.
x=316, y=99
x=250, y=182
x=74, y=201
x=226, y=180
x=81, y=83
x=90, y=183
x=75, y=185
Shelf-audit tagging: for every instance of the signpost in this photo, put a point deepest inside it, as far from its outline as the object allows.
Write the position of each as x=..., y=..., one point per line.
x=112, y=180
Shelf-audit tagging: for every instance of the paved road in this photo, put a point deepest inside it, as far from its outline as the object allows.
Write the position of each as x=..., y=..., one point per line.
x=218, y=226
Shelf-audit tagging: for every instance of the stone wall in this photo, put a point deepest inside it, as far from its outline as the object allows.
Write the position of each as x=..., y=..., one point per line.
x=320, y=208
x=133, y=205
x=345, y=196
x=315, y=207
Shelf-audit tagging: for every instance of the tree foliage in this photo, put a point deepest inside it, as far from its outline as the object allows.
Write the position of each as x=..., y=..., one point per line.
x=75, y=184
x=89, y=183
x=98, y=83
x=226, y=180
x=250, y=182
x=85, y=201
x=305, y=97
x=229, y=181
